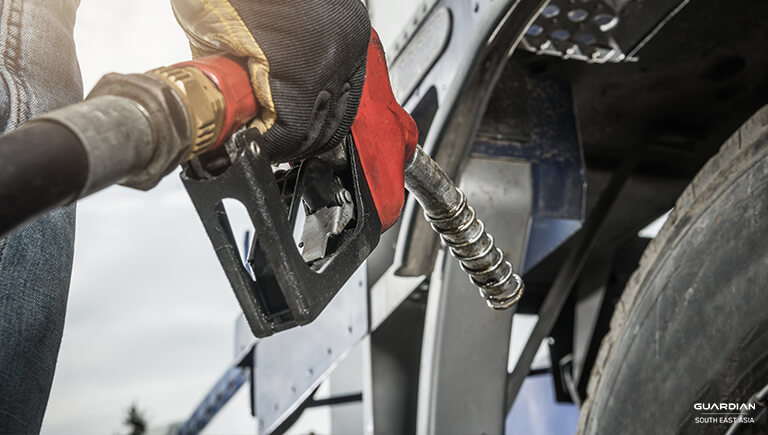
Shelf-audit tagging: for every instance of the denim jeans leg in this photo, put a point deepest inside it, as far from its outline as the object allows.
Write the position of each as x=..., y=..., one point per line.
x=38, y=73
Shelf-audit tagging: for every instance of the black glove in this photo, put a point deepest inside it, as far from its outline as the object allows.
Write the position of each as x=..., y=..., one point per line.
x=306, y=59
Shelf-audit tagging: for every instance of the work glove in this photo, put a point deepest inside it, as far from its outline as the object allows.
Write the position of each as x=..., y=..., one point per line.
x=306, y=60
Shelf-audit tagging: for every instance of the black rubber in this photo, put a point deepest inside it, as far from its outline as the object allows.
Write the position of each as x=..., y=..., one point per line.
x=692, y=324
x=42, y=166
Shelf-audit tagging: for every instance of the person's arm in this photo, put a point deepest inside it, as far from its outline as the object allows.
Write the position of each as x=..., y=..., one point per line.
x=39, y=73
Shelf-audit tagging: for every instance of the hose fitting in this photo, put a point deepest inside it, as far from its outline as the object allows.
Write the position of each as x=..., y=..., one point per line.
x=204, y=103
x=136, y=128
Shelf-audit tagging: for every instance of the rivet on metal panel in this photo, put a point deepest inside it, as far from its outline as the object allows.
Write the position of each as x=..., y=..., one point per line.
x=550, y=11
x=578, y=15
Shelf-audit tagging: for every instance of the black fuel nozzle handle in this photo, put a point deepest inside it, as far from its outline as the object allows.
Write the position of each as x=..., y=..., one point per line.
x=283, y=289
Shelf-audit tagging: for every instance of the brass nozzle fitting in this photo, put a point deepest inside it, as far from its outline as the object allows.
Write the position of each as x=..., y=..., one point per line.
x=204, y=102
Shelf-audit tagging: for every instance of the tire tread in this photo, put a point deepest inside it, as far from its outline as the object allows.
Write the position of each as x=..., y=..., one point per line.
x=738, y=151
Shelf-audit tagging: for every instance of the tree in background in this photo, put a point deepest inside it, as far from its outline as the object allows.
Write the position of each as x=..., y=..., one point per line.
x=136, y=421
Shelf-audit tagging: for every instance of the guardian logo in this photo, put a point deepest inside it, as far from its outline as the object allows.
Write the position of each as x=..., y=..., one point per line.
x=724, y=406
x=725, y=413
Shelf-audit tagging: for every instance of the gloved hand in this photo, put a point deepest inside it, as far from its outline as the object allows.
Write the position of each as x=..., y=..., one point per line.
x=306, y=58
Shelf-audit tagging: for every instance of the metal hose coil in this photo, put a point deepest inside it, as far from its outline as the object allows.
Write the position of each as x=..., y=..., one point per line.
x=465, y=235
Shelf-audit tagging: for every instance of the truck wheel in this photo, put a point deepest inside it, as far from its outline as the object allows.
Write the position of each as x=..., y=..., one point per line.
x=692, y=324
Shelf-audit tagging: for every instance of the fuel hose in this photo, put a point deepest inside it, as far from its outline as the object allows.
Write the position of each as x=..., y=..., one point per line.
x=132, y=129
x=43, y=166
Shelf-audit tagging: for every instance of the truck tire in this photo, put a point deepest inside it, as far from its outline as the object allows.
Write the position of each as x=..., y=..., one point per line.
x=692, y=324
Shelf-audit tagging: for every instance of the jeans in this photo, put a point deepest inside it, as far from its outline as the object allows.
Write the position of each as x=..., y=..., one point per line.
x=38, y=73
